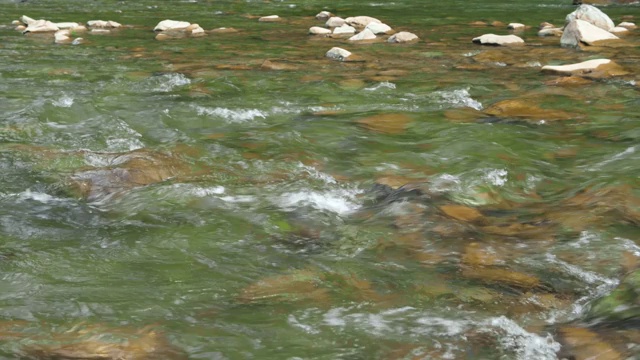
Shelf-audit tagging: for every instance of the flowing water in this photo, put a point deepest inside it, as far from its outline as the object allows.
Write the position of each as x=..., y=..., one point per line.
x=187, y=197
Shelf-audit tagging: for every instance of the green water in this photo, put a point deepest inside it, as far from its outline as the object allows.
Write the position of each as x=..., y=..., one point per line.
x=254, y=228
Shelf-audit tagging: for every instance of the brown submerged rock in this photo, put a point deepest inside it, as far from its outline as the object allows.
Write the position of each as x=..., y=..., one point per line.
x=297, y=286
x=499, y=275
x=582, y=344
x=462, y=213
x=525, y=109
x=386, y=123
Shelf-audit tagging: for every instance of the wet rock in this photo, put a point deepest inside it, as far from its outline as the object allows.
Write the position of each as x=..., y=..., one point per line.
x=379, y=28
x=386, y=123
x=476, y=254
x=462, y=213
x=579, y=31
x=366, y=34
x=103, y=24
x=501, y=276
x=41, y=26
x=278, y=65
x=335, y=22
x=498, y=40
x=344, y=29
x=581, y=343
x=339, y=54
x=324, y=15
x=270, y=18
x=317, y=30
x=403, y=37
x=592, y=15
x=516, y=26
x=145, y=345
x=622, y=304
x=525, y=109
x=297, y=286
x=568, y=81
x=361, y=21
x=597, y=68
x=134, y=169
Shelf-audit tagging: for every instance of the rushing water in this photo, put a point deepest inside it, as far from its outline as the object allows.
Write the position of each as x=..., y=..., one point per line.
x=185, y=199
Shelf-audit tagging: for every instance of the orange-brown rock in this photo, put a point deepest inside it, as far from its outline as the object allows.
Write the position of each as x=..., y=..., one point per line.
x=525, y=109
x=498, y=275
x=297, y=286
x=584, y=344
x=462, y=213
x=475, y=254
x=386, y=123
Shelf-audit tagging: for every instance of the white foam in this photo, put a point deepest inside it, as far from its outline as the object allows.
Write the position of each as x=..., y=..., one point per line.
x=526, y=345
x=341, y=201
x=240, y=115
x=497, y=177
x=37, y=196
x=457, y=98
x=65, y=101
x=168, y=82
x=381, y=85
x=314, y=173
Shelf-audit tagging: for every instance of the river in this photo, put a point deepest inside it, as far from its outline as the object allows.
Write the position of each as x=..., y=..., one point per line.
x=241, y=196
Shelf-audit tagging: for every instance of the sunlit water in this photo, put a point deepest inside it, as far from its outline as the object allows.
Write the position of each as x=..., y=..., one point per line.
x=239, y=211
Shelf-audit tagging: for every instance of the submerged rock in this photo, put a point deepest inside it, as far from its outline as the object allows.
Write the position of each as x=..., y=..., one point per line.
x=498, y=40
x=525, y=109
x=579, y=31
x=386, y=123
x=403, y=37
x=592, y=15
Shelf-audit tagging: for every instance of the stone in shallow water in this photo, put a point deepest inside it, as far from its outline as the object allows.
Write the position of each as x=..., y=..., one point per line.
x=579, y=31
x=582, y=343
x=335, y=21
x=550, y=32
x=339, y=54
x=361, y=21
x=628, y=25
x=299, y=285
x=323, y=15
x=403, y=37
x=41, y=26
x=516, y=26
x=171, y=25
x=592, y=15
x=270, y=18
x=462, y=213
x=344, y=29
x=596, y=68
x=499, y=40
x=317, y=30
x=619, y=30
x=366, y=34
x=379, y=28
x=502, y=276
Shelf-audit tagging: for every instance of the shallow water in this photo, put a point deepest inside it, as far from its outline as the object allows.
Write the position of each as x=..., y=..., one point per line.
x=243, y=211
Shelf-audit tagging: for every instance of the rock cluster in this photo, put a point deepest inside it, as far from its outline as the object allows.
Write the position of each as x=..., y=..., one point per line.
x=63, y=32
x=170, y=29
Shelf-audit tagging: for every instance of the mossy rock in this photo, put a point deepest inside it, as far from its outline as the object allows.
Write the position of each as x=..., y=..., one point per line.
x=621, y=304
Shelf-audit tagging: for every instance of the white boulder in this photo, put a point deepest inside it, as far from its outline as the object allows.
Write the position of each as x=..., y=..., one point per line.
x=516, y=26
x=339, y=54
x=591, y=14
x=171, y=25
x=324, y=15
x=335, y=22
x=62, y=37
x=27, y=20
x=270, y=18
x=317, y=30
x=365, y=34
x=571, y=68
x=344, y=29
x=500, y=40
x=628, y=25
x=361, y=21
x=619, y=30
x=103, y=24
x=40, y=26
x=403, y=37
x=379, y=28
x=578, y=31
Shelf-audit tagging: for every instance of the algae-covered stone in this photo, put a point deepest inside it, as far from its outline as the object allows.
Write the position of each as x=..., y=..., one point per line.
x=623, y=303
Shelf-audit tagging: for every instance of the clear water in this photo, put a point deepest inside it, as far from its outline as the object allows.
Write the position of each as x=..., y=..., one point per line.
x=179, y=194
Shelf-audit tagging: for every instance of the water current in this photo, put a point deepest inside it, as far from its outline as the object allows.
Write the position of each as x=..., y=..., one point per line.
x=241, y=196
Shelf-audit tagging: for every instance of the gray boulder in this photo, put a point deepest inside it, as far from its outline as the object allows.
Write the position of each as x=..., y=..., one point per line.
x=593, y=15
x=580, y=31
